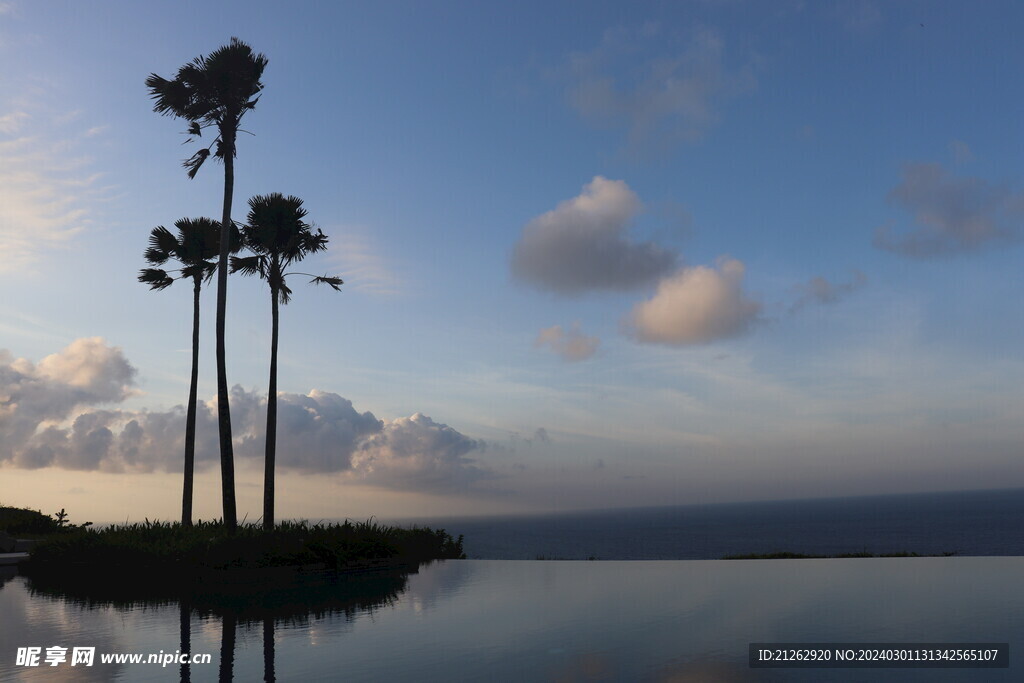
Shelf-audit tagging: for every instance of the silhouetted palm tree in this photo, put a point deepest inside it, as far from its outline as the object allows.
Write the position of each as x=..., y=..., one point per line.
x=195, y=248
x=216, y=90
x=278, y=236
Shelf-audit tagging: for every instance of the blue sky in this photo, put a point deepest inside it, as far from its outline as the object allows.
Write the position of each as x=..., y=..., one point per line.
x=596, y=254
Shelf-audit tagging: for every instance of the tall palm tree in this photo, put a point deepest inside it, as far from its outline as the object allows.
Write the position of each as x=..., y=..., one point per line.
x=195, y=248
x=216, y=90
x=277, y=235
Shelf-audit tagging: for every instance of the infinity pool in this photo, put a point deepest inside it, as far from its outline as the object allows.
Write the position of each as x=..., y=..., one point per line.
x=484, y=620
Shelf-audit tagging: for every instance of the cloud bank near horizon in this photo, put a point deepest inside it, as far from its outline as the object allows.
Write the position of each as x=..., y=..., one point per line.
x=50, y=417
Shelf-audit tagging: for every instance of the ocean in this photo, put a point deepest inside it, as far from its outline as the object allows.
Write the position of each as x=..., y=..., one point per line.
x=974, y=523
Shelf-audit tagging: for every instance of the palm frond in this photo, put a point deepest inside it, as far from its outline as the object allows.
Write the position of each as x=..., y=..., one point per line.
x=155, y=278
x=236, y=240
x=249, y=265
x=195, y=161
x=216, y=89
x=334, y=282
x=162, y=246
x=284, y=291
x=170, y=98
x=197, y=270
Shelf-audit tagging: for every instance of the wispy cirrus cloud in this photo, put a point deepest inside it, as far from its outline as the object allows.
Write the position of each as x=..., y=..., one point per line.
x=359, y=262
x=47, y=188
x=661, y=92
x=11, y=122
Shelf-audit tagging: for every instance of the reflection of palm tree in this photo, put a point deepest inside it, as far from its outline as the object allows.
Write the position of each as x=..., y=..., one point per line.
x=229, y=627
x=185, y=628
x=195, y=247
x=278, y=236
x=269, y=674
x=216, y=90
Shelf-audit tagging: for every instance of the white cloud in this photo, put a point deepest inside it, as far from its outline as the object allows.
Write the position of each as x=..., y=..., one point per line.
x=661, y=99
x=316, y=432
x=86, y=373
x=953, y=215
x=417, y=453
x=571, y=346
x=696, y=305
x=48, y=419
x=581, y=244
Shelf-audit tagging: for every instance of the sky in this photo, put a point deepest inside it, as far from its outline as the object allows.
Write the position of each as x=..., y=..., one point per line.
x=595, y=255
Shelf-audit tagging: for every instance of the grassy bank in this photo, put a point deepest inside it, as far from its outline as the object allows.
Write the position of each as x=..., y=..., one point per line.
x=204, y=552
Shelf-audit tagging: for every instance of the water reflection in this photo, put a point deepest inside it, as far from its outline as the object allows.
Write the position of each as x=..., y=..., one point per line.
x=507, y=620
x=292, y=605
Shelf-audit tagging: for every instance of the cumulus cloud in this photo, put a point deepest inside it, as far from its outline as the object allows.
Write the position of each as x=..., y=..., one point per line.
x=660, y=98
x=571, y=346
x=582, y=245
x=87, y=372
x=696, y=305
x=48, y=419
x=818, y=290
x=417, y=453
x=953, y=215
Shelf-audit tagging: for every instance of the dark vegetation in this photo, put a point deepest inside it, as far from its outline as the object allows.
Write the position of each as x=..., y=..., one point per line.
x=23, y=522
x=800, y=556
x=206, y=552
x=177, y=555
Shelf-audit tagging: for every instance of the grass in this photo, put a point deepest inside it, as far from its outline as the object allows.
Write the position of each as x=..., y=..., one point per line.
x=165, y=551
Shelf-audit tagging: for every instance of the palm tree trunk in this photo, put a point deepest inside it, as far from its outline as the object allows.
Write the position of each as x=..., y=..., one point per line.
x=190, y=417
x=271, y=445
x=227, y=456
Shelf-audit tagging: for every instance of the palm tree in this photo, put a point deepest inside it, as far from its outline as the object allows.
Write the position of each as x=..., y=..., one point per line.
x=195, y=247
x=277, y=235
x=216, y=90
